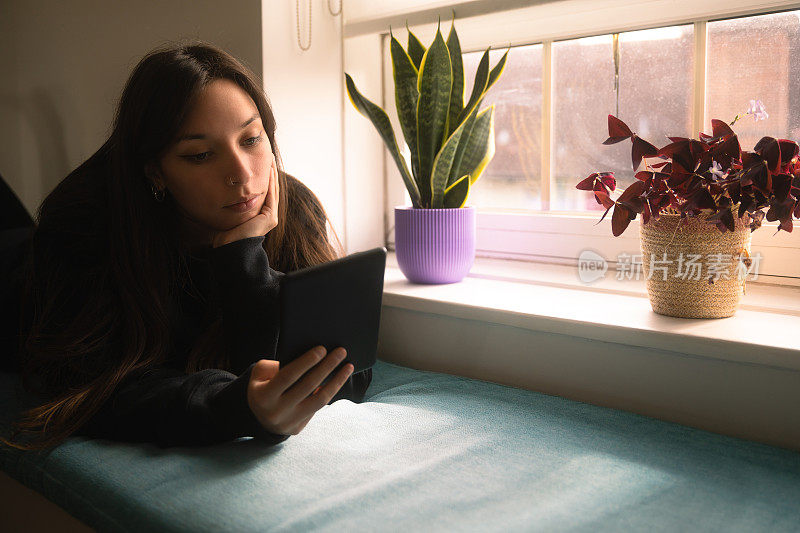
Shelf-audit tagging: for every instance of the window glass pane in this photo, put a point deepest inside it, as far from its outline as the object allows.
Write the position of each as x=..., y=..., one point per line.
x=754, y=58
x=512, y=180
x=655, y=99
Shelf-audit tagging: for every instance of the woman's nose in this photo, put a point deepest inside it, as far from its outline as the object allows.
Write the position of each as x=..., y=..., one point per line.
x=238, y=170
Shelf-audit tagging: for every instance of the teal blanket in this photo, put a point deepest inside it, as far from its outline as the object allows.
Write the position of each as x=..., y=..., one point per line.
x=428, y=451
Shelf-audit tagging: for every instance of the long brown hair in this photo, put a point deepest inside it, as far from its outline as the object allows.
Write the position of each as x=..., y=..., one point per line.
x=103, y=221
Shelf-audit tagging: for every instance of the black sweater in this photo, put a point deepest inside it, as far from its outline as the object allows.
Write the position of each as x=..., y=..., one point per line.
x=169, y=407
x=165, y=405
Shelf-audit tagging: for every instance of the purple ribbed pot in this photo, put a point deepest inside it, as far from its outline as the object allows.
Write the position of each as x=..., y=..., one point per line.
x=434, y=245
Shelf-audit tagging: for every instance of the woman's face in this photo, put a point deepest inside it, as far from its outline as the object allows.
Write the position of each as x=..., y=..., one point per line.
x=221, y=140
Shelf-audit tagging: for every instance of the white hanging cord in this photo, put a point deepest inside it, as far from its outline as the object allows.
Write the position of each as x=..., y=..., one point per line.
x=331, y=10
x=297, y=12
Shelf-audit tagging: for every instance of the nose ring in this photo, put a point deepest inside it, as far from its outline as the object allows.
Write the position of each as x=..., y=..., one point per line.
x=230, y=181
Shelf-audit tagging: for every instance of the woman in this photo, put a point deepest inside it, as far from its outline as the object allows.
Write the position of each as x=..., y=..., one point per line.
x=149, y=303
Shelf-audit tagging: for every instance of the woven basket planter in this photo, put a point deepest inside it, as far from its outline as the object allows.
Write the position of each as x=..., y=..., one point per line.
x=677, y=287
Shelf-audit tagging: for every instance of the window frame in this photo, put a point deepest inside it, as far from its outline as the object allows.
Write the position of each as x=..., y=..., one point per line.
x=560, y=236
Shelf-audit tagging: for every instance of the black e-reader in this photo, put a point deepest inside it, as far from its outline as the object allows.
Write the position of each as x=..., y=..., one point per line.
x=337, y=303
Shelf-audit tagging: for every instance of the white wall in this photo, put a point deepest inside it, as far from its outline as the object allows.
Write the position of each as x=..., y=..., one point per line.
x=321, y=136
x=364, y=152
x=63, y=66
x=305, y=91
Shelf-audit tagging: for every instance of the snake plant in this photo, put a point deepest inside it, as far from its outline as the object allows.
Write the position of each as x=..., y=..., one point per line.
x=450, y=142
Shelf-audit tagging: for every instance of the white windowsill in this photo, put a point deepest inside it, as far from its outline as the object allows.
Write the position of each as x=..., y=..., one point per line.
x=551, y=299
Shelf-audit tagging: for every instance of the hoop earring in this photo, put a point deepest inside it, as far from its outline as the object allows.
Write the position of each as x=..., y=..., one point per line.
x=158, y=194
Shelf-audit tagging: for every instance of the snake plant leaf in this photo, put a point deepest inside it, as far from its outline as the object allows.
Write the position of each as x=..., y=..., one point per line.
x=480, y=76
x=416, y=50
x=479, y=87
x=381, y=122
x=406, y=95
x=434, y=84
x=443, y=164
x=462, y=144
x=455, y=196
x=496, y=71
x=480, y=146
x=457, y=92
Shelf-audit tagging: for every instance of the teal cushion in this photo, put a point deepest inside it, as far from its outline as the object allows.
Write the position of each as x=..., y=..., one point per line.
x=430, y=451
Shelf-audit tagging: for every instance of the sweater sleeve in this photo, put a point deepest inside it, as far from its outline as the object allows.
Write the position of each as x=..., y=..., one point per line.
x=247, y=291
x=170, y=408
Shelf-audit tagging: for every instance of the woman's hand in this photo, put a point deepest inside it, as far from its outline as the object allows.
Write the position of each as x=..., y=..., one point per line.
x=284, y=405
x=260, y=224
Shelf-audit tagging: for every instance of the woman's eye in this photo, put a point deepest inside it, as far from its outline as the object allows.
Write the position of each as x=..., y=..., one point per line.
x=198, y=158
x=252, y=140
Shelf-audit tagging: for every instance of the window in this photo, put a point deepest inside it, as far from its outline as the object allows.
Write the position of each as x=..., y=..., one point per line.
x=514, y=177
x=755, y=57
x=556, y=92
x=655, y=99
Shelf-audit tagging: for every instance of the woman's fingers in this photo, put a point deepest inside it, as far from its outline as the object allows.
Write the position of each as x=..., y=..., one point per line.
x=275, y=183
x=286, y=402
x=314, y=403
x=266, y=208
x=269, y=209
x=295, y=370
x=272, y=198
x=305, y=387
x=265, y=370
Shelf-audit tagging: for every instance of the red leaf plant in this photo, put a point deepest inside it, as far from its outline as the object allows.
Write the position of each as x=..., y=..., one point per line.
x=710, y=175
